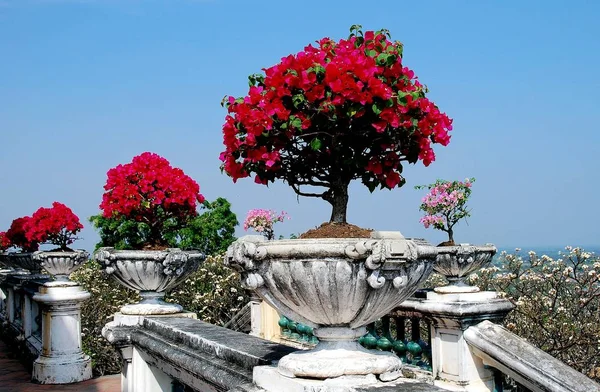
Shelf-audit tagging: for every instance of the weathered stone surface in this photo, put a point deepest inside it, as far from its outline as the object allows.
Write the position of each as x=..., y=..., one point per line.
x=336, y=359
x=22, y=260
x=334, y=283
x=151, y=273
x=457, y=262
x=61, y=264
x=525, y=363
x=61, y=361
x=268, y=379
x=200, y=355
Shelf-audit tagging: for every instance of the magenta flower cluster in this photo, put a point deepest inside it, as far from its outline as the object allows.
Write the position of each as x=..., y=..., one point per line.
x=262, y=221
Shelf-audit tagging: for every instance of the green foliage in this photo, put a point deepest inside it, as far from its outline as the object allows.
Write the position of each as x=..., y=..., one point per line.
x=214, y=292
x=211, y=232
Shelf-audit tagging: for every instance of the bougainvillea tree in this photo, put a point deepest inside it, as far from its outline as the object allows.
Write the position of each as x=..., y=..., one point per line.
x=17, y=236
x=330, y=114
x=445, y=205
x=262, y=221
x=4, y=242
x=57, y=225
x=153, y=193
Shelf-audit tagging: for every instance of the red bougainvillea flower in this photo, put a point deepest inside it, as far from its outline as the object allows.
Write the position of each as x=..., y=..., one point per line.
x=332, y=113
x=17, y=236
x=150, y=190
x=4, y=242
x=57, y=225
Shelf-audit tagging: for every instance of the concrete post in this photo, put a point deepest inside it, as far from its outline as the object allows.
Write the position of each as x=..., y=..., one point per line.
x=62, y=361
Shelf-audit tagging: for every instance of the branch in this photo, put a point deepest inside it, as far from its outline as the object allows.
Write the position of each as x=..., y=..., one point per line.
x=296, y=189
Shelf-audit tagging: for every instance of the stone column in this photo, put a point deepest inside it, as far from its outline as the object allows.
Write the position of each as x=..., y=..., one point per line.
x=455, y=367
x=255, y=315
x=62, y=361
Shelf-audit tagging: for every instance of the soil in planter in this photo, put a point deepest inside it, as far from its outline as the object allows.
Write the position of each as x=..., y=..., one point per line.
x=337, y=230
x=447, y=243
x=155, y=247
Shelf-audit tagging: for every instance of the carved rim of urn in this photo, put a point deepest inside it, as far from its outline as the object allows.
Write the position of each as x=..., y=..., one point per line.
x=457, y=262
x=336, y=286
x=61, y=264
x=151, y=273
x=23, y=262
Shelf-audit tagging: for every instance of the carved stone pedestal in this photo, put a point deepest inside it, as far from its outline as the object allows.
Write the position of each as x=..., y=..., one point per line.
x=62, y=361
x=455, y=367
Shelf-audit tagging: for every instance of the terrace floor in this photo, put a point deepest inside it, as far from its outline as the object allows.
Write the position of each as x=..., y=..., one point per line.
x=14, y=378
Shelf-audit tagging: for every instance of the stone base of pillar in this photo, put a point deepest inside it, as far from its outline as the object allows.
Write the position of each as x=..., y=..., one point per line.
x=62, y=370
x=62, y=361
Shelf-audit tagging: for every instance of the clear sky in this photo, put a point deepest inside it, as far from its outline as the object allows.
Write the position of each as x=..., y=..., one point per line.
x=86, y=85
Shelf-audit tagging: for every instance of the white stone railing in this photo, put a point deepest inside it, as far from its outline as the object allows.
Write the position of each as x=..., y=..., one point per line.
x=469, y=352
x=42, y=318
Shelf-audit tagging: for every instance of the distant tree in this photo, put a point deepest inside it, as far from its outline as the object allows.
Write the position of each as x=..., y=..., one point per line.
x=213, y=231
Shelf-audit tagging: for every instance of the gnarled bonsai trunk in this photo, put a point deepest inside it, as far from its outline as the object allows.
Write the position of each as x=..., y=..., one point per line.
x=337, y=196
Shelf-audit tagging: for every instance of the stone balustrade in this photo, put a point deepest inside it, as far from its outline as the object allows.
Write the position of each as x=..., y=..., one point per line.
x=42, y=319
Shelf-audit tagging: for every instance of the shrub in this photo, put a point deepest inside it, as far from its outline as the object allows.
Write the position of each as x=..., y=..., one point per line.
x=57, y=225
x=557, y=303
x=149, y=191
x=213, y=292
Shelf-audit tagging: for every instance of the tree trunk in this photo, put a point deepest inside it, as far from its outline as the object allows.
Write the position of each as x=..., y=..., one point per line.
x=339, y=201
x=450, y=235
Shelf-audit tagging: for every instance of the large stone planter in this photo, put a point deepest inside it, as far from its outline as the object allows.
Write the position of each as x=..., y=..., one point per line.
x=336, y=286
x=151, y=273
x=61, y=264
x=22, y=262
x=457, y=262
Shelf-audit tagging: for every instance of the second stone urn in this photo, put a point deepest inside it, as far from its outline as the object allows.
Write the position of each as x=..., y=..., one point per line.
x=151, y=273
x=22, y=262
x=61, y=264
x=457, y=262
x=336, y=286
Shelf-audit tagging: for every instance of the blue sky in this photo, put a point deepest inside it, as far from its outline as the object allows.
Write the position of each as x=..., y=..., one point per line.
x=88, y=84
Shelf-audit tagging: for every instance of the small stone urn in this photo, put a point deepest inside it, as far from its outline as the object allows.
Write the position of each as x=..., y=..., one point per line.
x=457, y=262
x=23, y=262
x=61, y=264
x=336, y=286
x=151, y=273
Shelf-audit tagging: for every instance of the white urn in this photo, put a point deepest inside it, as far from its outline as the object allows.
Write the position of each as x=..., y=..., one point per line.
x=336, y=286
x=457, y=262
x=151, y=273
x=61, y=264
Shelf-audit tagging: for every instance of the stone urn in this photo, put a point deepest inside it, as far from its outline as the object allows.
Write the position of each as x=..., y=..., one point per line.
x=151, y=273
x=336, y=286
x=61, y=264
x=22, y=262
x=457, y=262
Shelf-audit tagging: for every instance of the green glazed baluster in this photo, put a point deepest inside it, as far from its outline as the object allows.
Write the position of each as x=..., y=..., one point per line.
x=385, y=341
x=293, y=326
x=399, y=345
x=370, y=339
x=414, y=348
x=283, y=324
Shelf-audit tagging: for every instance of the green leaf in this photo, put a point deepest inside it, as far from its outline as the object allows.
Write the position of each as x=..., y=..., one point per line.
x=315, y=144
x=382, y=58
x=376, y=109
x=296, y=123
x=371, y=53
